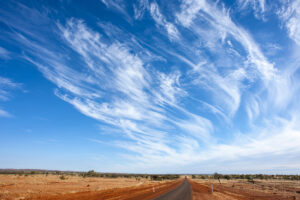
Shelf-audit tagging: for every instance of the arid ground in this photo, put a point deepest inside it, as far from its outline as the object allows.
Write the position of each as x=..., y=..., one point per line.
x=15, y=187
x=244, y=190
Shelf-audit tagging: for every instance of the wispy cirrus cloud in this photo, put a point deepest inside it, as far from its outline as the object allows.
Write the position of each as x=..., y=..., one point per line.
x=259, y=7
x=216, y=25
x=4, y=54
x=4, y=113
x=117, y=5
x=290, y=15
x=171, y=29
x=222, y=25
x=139, y=8
x=6, y=85
x=133, y=105
x=139, y=113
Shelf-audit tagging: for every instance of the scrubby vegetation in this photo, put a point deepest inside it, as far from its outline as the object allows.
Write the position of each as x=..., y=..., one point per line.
x=63, y=174
x=164, y=177
x=154, y=177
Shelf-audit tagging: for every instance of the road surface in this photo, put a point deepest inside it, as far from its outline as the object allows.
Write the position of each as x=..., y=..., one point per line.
x=182, y=192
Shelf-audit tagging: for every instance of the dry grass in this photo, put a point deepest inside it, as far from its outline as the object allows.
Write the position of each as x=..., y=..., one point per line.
x=18, y=187
x=262, y=188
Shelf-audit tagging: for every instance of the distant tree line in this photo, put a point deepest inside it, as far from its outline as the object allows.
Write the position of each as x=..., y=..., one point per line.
x=91, y=173
x=164, y=177
x=154, y=177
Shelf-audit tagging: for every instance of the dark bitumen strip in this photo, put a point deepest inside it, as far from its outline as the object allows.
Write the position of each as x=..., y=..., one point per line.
x=182, y=192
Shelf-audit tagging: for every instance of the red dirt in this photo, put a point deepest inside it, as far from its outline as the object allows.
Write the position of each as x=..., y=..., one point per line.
x=15, y=187
x=129, y=193
x=77, y=188
x=202, y=191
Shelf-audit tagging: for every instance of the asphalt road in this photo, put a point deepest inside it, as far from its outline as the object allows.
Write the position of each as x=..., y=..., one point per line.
x=182, y=192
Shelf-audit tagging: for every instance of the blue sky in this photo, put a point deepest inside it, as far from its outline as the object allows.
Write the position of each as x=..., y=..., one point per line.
x=188, y=86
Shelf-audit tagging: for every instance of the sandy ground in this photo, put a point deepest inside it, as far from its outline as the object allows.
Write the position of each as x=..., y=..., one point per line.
x=243, y=190
x=14, y=187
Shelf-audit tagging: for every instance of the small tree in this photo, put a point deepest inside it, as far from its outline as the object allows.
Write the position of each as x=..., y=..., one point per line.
x=154, y=177
x=91, y=173
x=217, y=176
x=250, y=179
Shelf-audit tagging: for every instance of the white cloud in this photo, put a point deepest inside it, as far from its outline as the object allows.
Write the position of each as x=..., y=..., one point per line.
x=4, y=54
x=290, y=15
x=219, y=35
x=4, y=113
x=225, y=89
x=281, y=142
x=199, y=127
x=6, y=85
x=253, y=108
x=223, y=26
x=139, y=8
x=242, y=152
x=259, y=7
x=160, y=20
x=118, y=6
x=170, y=88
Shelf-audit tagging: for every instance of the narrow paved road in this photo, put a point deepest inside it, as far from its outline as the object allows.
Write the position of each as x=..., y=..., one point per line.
x=182, y=192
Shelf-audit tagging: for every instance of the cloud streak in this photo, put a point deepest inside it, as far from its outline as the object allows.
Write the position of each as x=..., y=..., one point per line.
x=161, y=21
x=290, y=15
x=6, y=85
